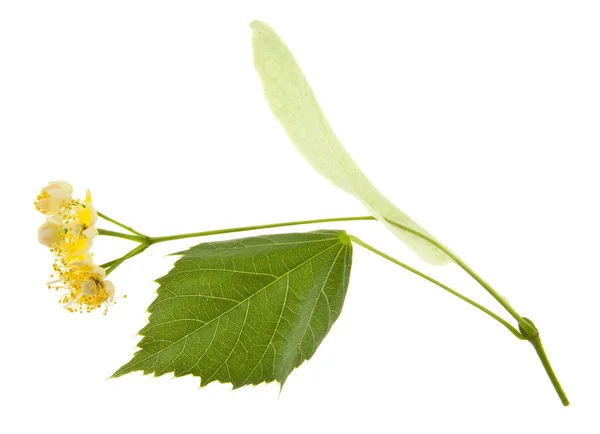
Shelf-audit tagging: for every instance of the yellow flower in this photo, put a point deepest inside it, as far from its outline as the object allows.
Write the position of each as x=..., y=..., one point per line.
x=86, y=214
x=85, y=284
x=68, y=231
x=54, y=197
x=81, y=230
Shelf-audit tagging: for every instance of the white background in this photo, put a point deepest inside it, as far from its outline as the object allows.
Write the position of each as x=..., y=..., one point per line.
x=480, y=119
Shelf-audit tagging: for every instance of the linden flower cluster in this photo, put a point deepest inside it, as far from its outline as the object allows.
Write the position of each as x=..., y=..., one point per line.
x=68, y=231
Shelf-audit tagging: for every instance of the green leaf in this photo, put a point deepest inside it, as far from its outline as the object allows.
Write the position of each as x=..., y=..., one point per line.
x=245, y=311
x=293, y=103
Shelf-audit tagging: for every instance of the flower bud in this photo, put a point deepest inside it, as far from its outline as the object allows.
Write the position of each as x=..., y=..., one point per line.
x=50, y=234
x=52, y=197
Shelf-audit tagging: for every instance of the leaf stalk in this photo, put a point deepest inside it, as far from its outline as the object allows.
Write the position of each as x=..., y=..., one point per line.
x=512, y=329
x=529, y=329
x=526, y=326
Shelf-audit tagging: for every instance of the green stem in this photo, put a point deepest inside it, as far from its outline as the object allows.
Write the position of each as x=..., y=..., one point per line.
x=529, y=329
x=139, y=238
x=539, y=349
x=513, y=330
x=108, y=264
x=153, y=240
x=129, y=228
x=136, y=251
x=526, y=327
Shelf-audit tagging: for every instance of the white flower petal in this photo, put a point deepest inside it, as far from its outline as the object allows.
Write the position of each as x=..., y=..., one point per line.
x=60, y=190
x=90, y=232
x=99, y=271
x=49, y=205
x=109, y=288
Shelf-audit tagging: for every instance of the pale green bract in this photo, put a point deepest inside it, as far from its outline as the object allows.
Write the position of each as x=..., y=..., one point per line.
x=293, y=103
x=245, y=311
